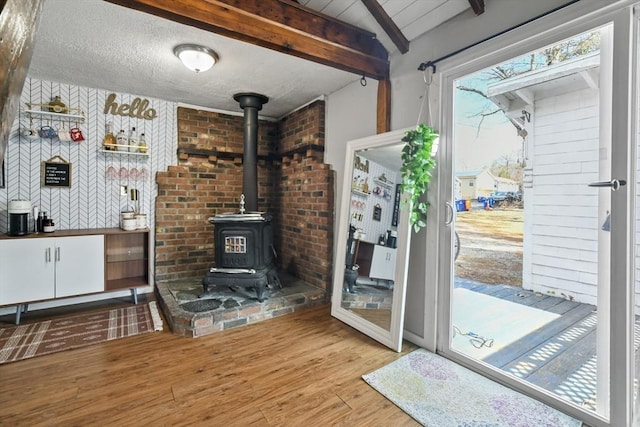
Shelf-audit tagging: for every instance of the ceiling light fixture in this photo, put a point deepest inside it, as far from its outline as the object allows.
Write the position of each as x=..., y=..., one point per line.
x=195, y=57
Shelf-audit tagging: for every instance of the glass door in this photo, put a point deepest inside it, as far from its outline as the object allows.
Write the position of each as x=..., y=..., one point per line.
x=541, y=289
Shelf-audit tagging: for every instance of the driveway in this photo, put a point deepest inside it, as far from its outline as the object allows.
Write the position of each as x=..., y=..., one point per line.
x=490, y=245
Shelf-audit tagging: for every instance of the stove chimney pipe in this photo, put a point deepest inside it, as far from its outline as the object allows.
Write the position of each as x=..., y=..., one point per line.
x=251, y=103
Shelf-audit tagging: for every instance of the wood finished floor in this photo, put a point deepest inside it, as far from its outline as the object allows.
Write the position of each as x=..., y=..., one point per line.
x=302, y=369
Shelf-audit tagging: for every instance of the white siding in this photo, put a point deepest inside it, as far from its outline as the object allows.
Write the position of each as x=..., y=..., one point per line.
x=468, y=188
x=485, y=184
x=563, y=233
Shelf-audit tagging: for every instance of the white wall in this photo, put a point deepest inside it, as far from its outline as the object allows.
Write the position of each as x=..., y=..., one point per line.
x=351, y=113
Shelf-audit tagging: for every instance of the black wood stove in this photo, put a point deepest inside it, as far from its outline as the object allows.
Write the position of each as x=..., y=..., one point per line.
x=244, y=253
x=243, y=241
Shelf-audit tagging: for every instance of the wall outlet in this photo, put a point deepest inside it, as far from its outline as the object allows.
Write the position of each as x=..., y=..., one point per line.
x=123, y=190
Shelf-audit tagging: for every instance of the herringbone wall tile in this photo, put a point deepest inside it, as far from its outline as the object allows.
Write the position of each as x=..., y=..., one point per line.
x=93, y=200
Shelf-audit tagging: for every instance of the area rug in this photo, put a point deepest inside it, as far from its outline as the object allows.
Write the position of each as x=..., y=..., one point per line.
x=440, y=393
x=78, y=330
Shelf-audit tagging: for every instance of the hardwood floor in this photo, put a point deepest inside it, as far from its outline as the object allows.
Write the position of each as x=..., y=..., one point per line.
x=303, y=369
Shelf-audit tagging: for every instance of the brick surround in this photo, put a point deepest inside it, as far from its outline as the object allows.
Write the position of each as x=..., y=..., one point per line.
x=294, y=185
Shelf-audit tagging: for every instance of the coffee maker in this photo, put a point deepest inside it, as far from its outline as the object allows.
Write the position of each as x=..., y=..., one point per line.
x=19, y=217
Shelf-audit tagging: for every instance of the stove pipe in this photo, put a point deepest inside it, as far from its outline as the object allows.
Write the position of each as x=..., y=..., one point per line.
x=251, y=103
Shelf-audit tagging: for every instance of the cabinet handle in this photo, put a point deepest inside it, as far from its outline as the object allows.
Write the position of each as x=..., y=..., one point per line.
x=58, y=254
x=47, y=255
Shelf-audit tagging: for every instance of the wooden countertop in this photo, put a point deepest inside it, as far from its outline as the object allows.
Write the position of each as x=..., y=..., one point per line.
x=67, y=233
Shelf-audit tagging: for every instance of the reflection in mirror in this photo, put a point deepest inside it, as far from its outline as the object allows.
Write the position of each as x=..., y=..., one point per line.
x=373, y=237
x=373, y=234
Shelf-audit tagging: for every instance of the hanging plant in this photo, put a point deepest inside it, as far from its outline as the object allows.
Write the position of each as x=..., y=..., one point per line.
x=417, y=163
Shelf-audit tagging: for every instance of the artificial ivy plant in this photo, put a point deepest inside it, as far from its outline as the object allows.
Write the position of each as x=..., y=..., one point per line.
x=417, y=163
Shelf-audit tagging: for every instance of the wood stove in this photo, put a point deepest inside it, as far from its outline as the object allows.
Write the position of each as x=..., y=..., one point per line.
x=244, y=241
x=244, y=253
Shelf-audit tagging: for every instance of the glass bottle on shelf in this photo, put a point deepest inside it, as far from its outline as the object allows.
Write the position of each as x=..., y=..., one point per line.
x=142, y=144
x=109, y=142
x=133, y=142
x=122, y=141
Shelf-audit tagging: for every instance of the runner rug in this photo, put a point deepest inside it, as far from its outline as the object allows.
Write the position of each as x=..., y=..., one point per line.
x=438, y=392
x=78, y=330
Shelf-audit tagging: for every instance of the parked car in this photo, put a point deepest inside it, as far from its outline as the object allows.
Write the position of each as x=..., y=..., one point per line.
x=514, y=196
x=499, y=196
x=505, y=197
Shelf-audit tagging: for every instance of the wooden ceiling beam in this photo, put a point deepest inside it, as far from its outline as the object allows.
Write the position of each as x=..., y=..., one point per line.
x=388, y=25
x=280, y=25
x=383, y=114
x=477, y=6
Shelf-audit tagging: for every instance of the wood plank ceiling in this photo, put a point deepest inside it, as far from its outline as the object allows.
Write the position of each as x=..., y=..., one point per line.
x=289, y=27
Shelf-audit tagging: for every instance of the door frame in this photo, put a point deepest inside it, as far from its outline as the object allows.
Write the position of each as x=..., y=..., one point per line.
x=562, y=24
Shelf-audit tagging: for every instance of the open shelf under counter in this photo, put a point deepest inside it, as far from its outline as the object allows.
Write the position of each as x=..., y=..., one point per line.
x=126, y=259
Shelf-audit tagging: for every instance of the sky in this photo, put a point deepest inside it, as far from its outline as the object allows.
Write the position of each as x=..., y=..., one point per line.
x=477, y=145
x=474, y=152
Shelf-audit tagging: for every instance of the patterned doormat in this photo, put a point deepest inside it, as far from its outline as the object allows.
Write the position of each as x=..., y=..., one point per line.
x=438, y=392
x=78, y=330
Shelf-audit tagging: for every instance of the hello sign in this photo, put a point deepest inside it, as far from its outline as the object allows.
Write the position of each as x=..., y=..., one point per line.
x=138, y=108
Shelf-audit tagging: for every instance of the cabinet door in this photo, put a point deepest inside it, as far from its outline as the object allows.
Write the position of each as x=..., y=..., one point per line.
x=383, y=263
x=26, y=270
x=79, y=265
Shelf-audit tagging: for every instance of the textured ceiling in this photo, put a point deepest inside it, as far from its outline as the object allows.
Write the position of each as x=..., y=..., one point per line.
x=97, y=44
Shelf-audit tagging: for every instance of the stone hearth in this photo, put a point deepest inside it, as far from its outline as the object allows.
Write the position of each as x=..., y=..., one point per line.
x=368, y=296
x=223, y=308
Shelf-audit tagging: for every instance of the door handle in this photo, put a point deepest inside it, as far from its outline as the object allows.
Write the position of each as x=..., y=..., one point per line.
x=614, y=184
x=449, y=220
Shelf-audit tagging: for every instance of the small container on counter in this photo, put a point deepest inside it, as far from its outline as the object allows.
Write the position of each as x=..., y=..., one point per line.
x=128, y=221
x=141, y=221
x=48, y=226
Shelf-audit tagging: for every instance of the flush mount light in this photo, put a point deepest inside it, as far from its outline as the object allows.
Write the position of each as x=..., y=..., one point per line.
x=195, y=57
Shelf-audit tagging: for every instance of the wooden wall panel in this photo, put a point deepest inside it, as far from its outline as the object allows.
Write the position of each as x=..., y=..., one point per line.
x=18, y=25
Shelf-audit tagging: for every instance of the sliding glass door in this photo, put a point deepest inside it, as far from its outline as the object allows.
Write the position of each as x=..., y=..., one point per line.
x=541, y=163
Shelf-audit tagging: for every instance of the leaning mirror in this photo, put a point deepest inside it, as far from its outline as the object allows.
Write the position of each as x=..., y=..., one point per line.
x=372, y=238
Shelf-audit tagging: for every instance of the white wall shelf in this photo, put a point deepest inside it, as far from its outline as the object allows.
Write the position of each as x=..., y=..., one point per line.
x=124, y=153
x=359, y=193
x=56, y=116
x=386, y=184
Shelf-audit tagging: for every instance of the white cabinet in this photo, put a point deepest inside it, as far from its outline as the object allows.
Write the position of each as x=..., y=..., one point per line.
x=25, y=271
x=79, y=262
x=33, y=269
x=383, y=263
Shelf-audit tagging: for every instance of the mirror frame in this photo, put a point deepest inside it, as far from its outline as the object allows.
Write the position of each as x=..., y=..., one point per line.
x=393, y=337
